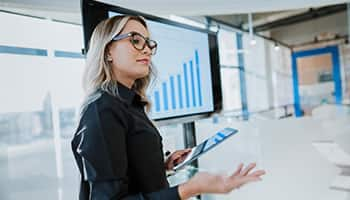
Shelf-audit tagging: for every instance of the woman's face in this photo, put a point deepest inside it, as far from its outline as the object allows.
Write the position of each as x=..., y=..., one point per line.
x=128, y=63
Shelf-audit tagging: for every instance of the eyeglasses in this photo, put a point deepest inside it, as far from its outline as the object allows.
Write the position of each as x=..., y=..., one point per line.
x=138, y=41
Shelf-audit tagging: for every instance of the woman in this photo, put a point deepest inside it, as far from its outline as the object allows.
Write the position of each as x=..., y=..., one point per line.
x=117, y=148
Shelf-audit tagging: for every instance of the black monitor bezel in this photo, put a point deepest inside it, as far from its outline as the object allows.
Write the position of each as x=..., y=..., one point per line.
x=93, y=12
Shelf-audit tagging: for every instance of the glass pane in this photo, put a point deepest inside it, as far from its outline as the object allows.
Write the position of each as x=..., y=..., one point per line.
x=255, y=74
x=228, y=48
x=231, y=91
x=41, y=89
x=27, y=128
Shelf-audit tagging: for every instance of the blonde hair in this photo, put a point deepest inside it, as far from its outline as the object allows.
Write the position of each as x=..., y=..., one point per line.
x=98, y=74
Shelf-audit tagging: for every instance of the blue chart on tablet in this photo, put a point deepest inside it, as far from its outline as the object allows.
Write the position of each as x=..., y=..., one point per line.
x=183, y=85
x=206, y=145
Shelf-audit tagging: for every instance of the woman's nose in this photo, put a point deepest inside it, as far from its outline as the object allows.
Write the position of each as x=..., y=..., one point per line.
x=147, y=50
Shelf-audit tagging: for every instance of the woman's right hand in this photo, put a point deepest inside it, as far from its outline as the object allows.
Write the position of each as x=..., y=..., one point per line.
x=204, y=182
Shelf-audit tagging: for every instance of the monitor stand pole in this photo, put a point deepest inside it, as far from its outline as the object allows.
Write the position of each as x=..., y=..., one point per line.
x=189, y=132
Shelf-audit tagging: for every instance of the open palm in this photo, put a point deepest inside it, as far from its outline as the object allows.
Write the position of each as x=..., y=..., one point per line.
x=213, y=183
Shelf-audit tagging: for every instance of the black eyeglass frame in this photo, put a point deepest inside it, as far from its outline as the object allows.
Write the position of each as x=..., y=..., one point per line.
x=147, y=41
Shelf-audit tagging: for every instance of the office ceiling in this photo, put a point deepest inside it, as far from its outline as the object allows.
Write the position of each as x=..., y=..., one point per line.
x=266, y=14
x=270, y=20
x=179, y=7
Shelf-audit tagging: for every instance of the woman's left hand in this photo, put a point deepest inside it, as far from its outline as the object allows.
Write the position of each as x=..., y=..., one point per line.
x=176, y=158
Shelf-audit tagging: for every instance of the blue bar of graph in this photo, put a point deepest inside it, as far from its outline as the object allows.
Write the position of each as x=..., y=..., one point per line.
x=192, y=84
x=157, y=99
x=165, y=96
x=186, y=86
x=180, y=89
x=198, y=78
x=221, y=135
x=172, y=89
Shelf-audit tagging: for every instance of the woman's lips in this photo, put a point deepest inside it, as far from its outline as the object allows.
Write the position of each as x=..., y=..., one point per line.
x=143, y=61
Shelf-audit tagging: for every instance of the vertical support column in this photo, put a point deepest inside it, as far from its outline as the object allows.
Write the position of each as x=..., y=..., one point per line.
x=250, y=23
x=297, y=107
x=269, y=72
x=189, y=132
x=337, y=74
x=251, y=29
x=242, y=77
x=56, y=132
x=348, y=11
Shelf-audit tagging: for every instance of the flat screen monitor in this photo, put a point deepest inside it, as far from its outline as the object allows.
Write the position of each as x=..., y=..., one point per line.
x=187, y=64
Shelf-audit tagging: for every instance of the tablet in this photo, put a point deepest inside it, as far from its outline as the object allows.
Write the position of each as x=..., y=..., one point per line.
x=205, y=146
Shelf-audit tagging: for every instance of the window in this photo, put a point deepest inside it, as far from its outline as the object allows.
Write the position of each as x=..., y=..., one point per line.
x=40, y=80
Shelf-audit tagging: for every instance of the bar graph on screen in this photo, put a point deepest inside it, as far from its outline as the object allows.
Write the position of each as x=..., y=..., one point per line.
x=183, y=84
x=180, y=91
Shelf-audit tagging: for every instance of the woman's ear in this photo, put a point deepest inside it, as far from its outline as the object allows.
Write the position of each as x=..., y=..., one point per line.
x=108, y=55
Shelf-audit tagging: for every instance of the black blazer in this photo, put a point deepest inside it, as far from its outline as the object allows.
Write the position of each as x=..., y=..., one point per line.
x=119, y=151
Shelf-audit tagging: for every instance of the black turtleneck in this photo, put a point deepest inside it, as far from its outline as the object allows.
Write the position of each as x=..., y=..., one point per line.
x=119, y=151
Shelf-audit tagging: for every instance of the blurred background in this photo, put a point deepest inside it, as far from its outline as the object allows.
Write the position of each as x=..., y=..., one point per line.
x=285, y=77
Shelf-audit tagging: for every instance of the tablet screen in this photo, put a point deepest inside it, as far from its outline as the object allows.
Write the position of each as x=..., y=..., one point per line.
x=207, y=145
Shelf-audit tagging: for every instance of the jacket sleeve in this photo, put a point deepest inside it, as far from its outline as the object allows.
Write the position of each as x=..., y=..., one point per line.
x=103, y=152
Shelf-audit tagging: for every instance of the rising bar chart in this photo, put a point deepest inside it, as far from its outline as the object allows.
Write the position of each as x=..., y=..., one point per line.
x=171, y=96
x=183, y=83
